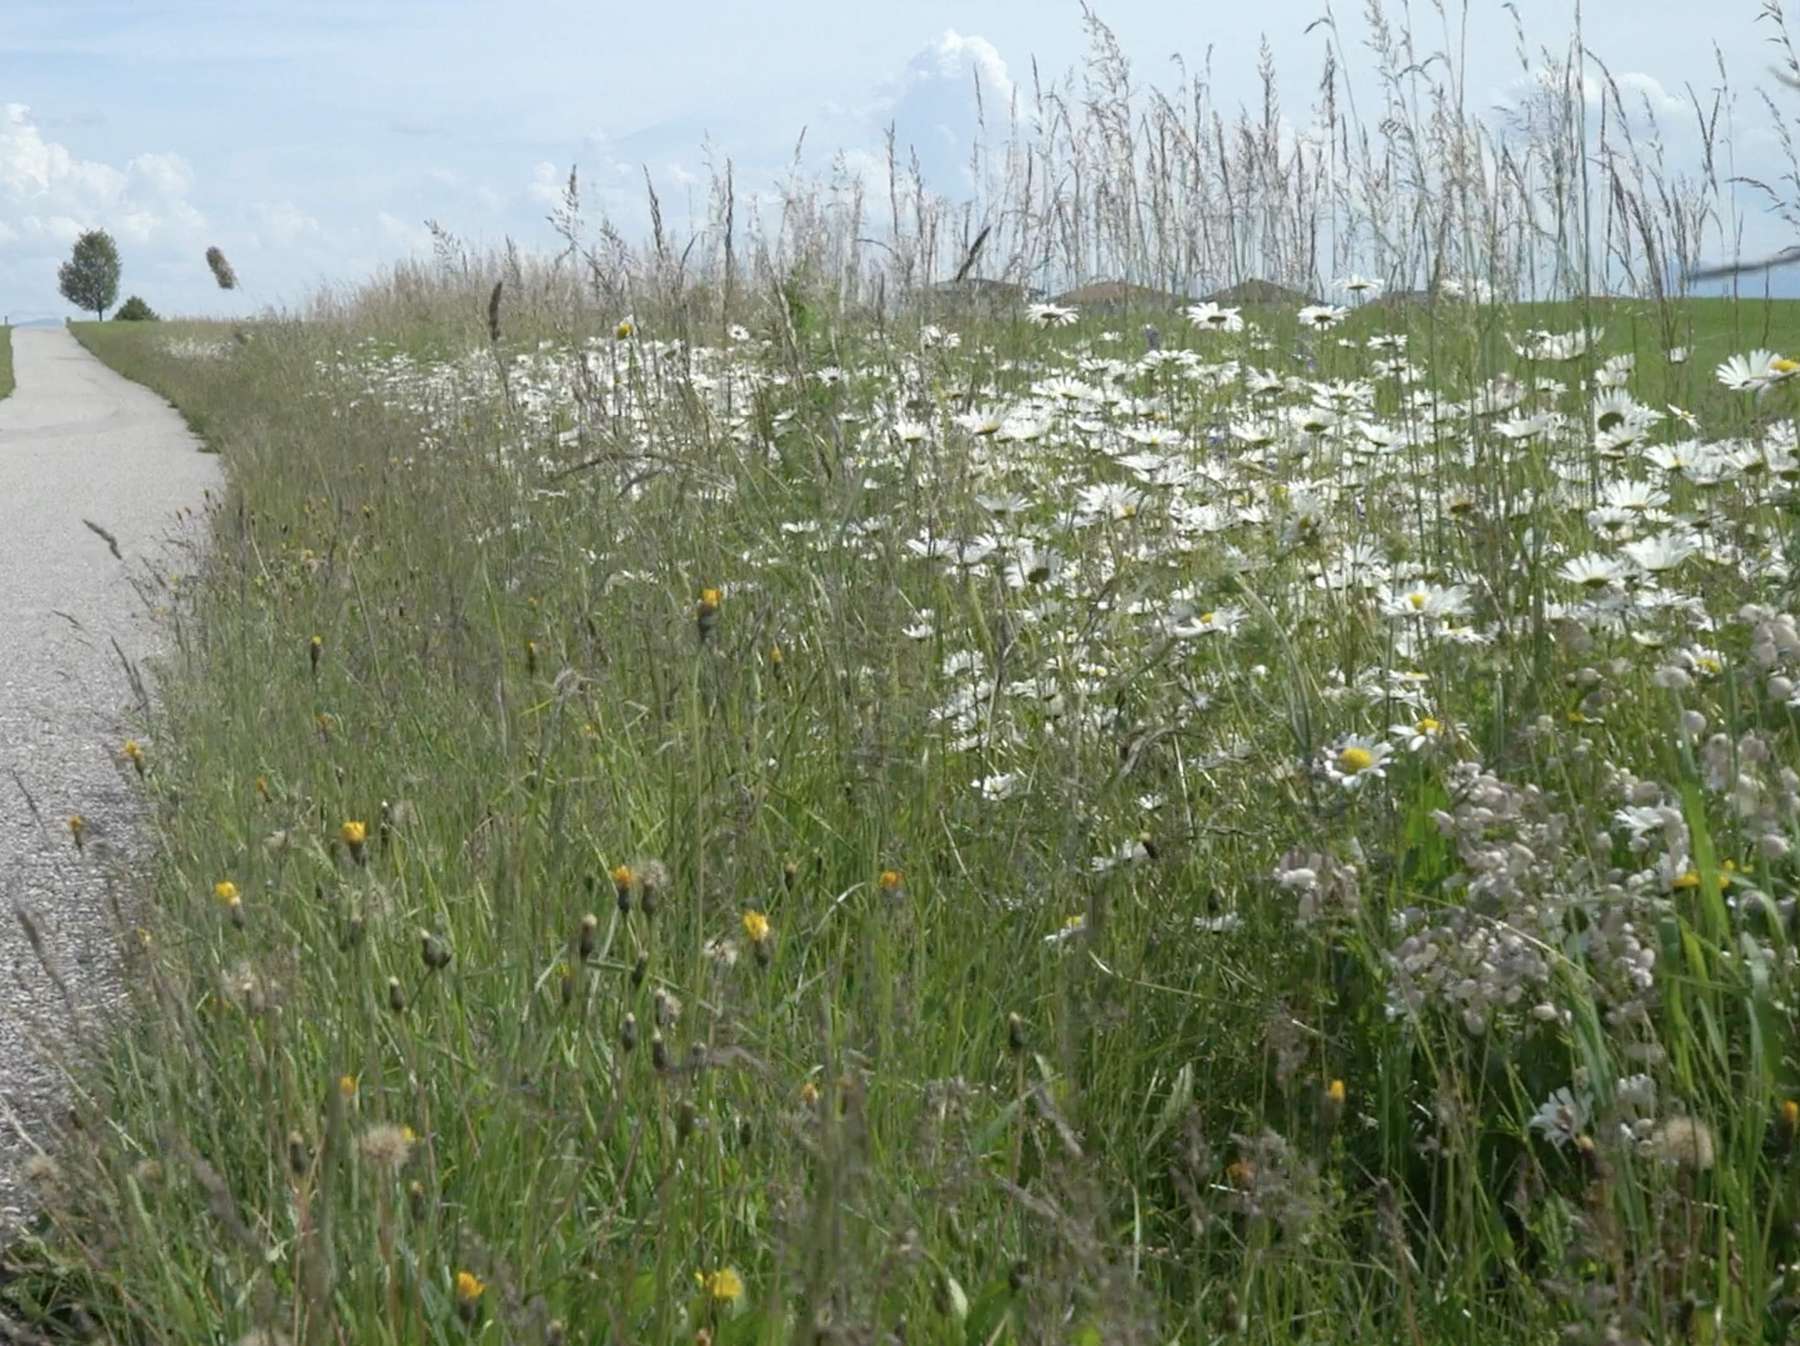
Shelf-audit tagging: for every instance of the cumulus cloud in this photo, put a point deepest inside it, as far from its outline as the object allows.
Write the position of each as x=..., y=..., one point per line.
x=161, y=175
x=35, y=172
x=398, y=233
x=937, y=105
x=285, y=224
x=547, y=182
x=49, y=195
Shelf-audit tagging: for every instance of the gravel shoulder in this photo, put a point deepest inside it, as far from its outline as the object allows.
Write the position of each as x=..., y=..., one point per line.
x=78, y=444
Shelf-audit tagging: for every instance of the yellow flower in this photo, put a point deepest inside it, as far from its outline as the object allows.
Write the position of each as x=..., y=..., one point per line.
x=890, y=880
x=709, y=602
x=625, y=329
x=1790, y=1114
x=134, y=754
x=1335, y=1092
x=724, y=1285
x=756, y=926
x=226, y=891
x=78, y=830
x=469, y=1287
x=622, y=877
x=1691, y=879
x=1427, y=725
x=354, y=833
x=1355, y=759
x=347, y=1087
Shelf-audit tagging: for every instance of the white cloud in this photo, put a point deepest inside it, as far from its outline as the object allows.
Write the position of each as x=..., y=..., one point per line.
x=284, y=223
x=938, y=105
x=49, y=196
x=34, y=169
x=546, y=185
x=161, y=175
x=414, y=238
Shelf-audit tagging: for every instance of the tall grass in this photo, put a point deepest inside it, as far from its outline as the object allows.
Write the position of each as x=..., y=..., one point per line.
x=700, y=799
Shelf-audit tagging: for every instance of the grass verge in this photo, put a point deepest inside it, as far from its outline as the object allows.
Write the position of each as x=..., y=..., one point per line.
x=1027, y=837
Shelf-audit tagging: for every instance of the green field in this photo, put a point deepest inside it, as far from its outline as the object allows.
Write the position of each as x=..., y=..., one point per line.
x=1001, y=835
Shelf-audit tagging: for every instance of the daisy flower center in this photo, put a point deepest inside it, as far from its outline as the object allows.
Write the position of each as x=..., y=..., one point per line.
x=1355, y=760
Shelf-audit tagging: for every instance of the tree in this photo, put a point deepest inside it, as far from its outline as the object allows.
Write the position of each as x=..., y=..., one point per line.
x=90, y=278
x=135, y=309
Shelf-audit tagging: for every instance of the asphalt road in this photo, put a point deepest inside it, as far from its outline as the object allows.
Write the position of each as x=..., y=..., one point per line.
x=77, y=443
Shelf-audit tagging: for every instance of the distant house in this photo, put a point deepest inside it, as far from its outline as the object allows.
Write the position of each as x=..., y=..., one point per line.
x=1119, y=296
x=1261, y=292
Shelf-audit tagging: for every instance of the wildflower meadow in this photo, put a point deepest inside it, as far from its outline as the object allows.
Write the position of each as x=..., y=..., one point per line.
x=749, y=799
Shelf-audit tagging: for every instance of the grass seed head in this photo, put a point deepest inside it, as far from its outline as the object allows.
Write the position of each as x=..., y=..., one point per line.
x=221, y=269
x=433, y=952
x=386, y=1147
x=1686, y=1142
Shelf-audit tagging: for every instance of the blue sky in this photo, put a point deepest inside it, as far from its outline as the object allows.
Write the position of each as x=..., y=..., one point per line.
x=311, y=138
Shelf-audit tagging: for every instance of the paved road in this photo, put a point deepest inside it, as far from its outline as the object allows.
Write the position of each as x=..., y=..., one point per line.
x=77, y=442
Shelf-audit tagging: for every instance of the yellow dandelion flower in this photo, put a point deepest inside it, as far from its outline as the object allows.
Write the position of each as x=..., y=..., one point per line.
x=1335, y=1092
x=78, y=830
x=347, y=1087
x=756, y=926
x=226, y=891
x=469, y=1290
x=134, y=753
x=890, y=880
x=724, y=1286
x=354, y=834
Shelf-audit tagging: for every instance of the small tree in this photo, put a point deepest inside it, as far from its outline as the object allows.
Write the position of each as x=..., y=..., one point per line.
x=135, y=309
x=90, y=278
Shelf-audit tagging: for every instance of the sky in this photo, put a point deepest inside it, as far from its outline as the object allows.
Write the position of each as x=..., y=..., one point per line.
x=312, y=139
